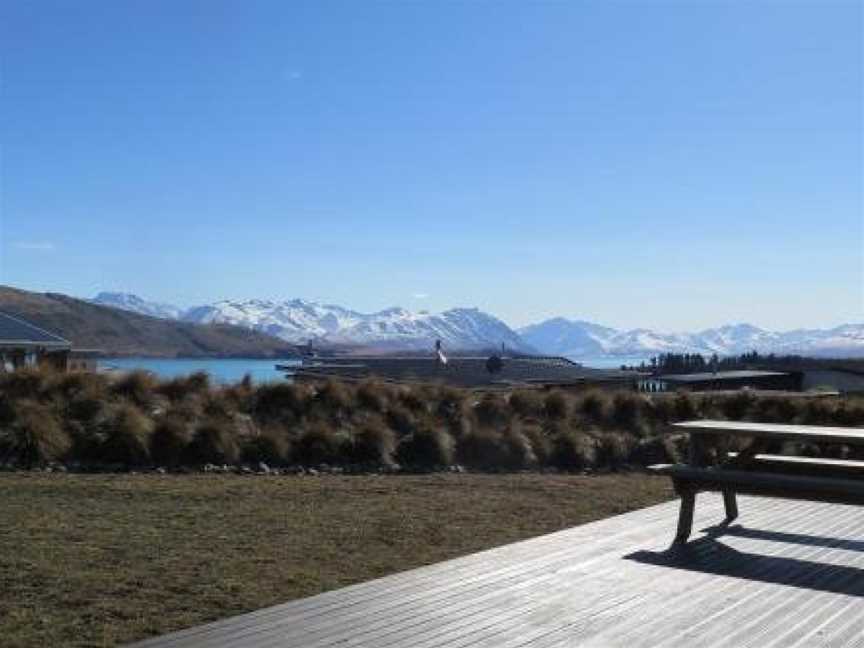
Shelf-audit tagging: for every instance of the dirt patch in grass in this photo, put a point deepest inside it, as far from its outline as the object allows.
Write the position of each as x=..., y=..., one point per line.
x=93, y=560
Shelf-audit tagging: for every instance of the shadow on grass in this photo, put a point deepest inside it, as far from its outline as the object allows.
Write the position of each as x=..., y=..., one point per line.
x=709, y=555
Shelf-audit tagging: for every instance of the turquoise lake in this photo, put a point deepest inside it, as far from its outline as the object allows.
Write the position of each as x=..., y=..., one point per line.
x=232, y=370
x=221, y=370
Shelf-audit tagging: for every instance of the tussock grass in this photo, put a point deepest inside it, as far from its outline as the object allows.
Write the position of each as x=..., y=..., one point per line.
x=139, y=421
x=34, y=437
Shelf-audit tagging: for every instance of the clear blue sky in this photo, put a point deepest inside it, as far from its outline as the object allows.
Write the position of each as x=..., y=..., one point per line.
x=672, y=165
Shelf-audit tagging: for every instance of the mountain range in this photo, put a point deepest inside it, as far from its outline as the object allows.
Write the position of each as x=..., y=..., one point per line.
x=123, y=332
x=299, y=321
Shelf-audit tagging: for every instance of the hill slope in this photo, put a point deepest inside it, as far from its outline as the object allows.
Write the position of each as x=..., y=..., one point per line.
x=121, y=332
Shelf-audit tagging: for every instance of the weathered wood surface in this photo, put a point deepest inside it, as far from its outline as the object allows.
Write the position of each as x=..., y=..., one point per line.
x=803, y=433
x=790, y=574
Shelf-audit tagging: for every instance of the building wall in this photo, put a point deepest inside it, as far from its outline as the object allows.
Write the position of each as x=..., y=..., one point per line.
x=789, y=382
x=842, y=381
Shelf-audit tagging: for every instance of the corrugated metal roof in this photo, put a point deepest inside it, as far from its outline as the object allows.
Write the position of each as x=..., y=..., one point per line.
x=16, y=332
x=463, y=371
x=720, y=375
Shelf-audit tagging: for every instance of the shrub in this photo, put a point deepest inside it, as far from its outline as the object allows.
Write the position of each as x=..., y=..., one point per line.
x=126, y=436
x=541, y=444
x=664, y=408
x=737, y=406
x=213, y=442
x=85, y=409
x=26, y=383
x=7, y=410
x=574, y=451
x=182, y=387
x=614, y=449
x=519, y=450
x=69, y=386
x=35, y=437
x=169, y=439
x=489, y=449
x=685, y=406
x=321, y=444
x=527, y=403
x=372, y=396
x=334, y=399
x=594, y=406
x=818, y=411
x=374, y=443
x=402, y=420
x=269, y=447
x=654, y=450
x=849, y=414
x=427, y=447
x=481, y=449
x=412, y=400
x=627, y=410
x=136, y=386
x=557, y=406
x=492, y=411
x=452, y=408
x=275, y=401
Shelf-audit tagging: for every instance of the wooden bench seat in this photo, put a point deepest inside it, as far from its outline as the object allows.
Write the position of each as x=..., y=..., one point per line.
x=689, y=480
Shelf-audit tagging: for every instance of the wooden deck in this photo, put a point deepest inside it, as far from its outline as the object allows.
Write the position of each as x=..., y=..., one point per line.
x=790, y=574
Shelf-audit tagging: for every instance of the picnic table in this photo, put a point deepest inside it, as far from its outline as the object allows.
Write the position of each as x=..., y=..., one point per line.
x=741, y=457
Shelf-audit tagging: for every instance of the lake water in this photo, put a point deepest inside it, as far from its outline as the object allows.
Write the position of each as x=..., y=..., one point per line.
x=233, y=370
x=612, y=362
x=221, y=370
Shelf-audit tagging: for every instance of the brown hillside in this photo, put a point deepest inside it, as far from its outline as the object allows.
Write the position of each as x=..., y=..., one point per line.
x=119, y=332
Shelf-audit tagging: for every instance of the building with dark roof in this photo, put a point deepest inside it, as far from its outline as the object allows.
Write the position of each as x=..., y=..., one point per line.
x=840, y=379
x=722, y=380
x=465, y=371
x=23, y=344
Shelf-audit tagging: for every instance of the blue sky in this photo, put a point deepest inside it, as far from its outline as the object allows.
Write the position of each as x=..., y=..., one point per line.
x=674, y=165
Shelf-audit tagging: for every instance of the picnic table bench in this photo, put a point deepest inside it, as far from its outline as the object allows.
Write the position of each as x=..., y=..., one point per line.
x=755, y=469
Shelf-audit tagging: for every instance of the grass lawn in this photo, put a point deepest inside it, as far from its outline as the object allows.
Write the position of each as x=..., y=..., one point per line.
x=92, y=560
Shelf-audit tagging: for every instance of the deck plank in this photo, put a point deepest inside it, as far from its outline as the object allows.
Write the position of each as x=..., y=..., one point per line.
x=790, y=574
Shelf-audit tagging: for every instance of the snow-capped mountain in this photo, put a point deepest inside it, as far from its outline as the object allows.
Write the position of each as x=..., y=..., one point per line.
x=130, y=302
x=579, y=339
x=457, y=328
x=299, y=321
x=295, y=320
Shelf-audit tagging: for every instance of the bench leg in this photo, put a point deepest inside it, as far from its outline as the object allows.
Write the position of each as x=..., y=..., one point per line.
x=731, y=503
x=685, y=517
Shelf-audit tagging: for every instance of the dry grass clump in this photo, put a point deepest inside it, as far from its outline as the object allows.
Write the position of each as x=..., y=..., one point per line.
x=213, y=442
x=493, y=411
x=427, y=447
x=171, y=435
x=594, y=407
x=137, y=420
x=280, y=401
x=374, y=443
x=138, y=387
x=270, y=447
x=27, y=383
x=574, y=450
x=322, y=444
x=557, y=406
x=35, y=437
x=125, y=436
x=527, y=403
x=372, y=396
